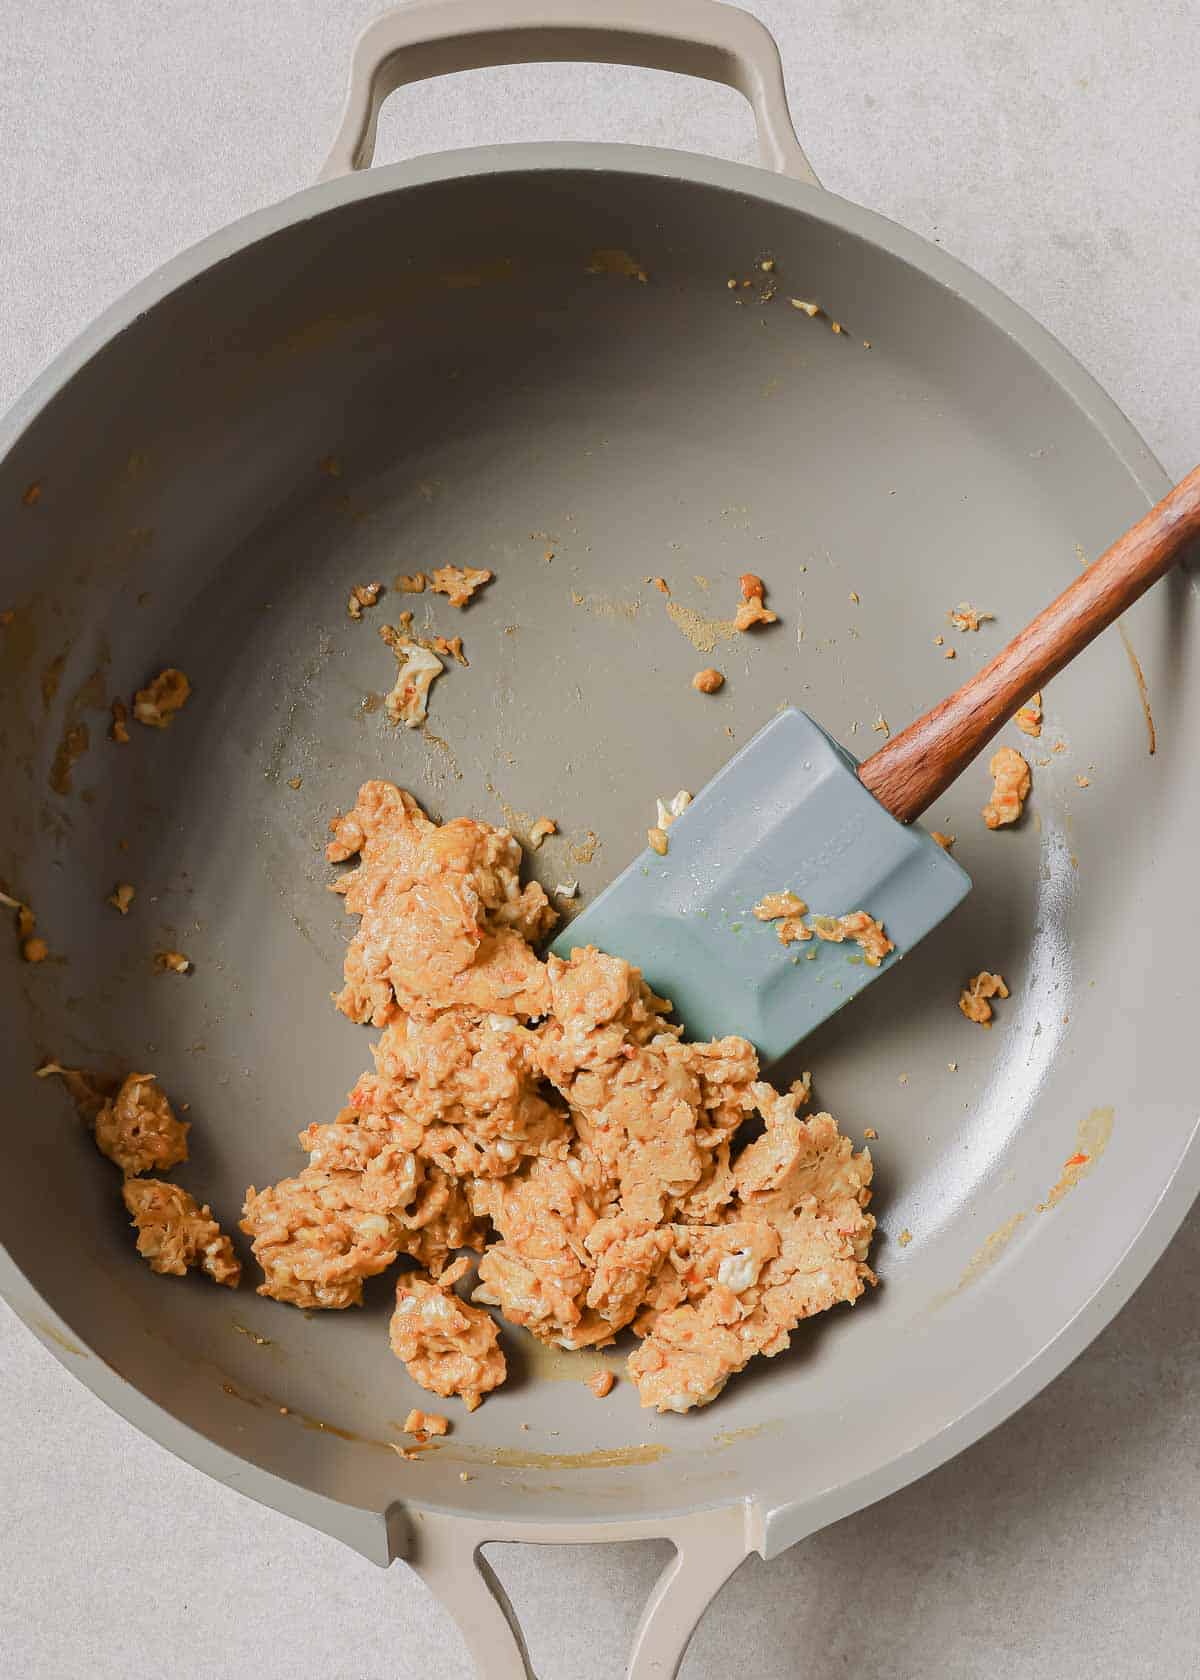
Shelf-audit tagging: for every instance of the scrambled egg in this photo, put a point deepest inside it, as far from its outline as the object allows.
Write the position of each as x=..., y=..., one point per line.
x=550, y=1117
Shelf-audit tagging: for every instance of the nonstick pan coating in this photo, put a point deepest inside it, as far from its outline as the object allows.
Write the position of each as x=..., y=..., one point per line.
x=419, y=367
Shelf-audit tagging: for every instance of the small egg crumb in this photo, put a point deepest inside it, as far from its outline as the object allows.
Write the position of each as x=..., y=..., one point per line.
x=656, y=839
x=707, y=681
x=1083, y=781
x=453, y=646
x=118, y=729
x=973, y=999
x=966, y=617
x=779, y=905
x=541, y=830
x=1010, y=788
x=666, y=810
x=945, y=841
x=753, y=612
x=171, y=962
x=905, y=1237
x=870, y=1134
x=362, y=595
x=950, y=653
x=880, y=726
x=661, y=585
x=121, y=897
x=903, y=1079
x=459, y=583
x=854, y=597
x=33, y=948
x=157, y=703
x=410, y=583
x=425, y=1424
x=295, y=782
x=809, y=309
x=601, y=1384
x=953, y=1066
x=1028, y=718
x=939, y=641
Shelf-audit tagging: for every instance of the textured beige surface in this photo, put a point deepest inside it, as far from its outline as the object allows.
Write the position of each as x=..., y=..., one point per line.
x=1050, y=154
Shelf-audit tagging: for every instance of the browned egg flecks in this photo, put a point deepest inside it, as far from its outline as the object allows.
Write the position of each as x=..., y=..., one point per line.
x=362, y=595
x=549, y=1116
x=32, y=946
x=157, y=704
x=787, y=909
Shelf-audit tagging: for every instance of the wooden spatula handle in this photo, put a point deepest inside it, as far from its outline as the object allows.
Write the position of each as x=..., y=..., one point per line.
x=919, y=764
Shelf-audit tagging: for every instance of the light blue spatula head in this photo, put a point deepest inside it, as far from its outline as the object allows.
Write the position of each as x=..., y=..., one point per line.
x=787, y=811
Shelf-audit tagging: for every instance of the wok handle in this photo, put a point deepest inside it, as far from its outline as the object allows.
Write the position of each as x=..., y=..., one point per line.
x=427, y=38
x=445, y=1550
x=918, y=765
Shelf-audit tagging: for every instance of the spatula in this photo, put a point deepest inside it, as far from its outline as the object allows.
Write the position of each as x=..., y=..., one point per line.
x=795, y=811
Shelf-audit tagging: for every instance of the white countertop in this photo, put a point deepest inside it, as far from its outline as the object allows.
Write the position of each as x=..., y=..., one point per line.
x=1055, y=149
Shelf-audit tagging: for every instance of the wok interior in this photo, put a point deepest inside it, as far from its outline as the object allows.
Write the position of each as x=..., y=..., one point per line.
x=433, y=375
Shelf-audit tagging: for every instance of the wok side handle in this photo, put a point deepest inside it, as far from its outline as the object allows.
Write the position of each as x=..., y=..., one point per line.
x=708, y=1548
x=446, y=1552
x=428, y=38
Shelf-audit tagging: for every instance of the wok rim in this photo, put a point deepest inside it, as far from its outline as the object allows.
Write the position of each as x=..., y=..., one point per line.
x=370, y=1531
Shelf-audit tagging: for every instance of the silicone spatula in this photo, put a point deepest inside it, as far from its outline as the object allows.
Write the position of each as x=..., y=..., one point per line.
x=794, y=810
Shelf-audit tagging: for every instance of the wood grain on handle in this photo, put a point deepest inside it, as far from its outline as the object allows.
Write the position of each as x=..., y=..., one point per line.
x=919, y=764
